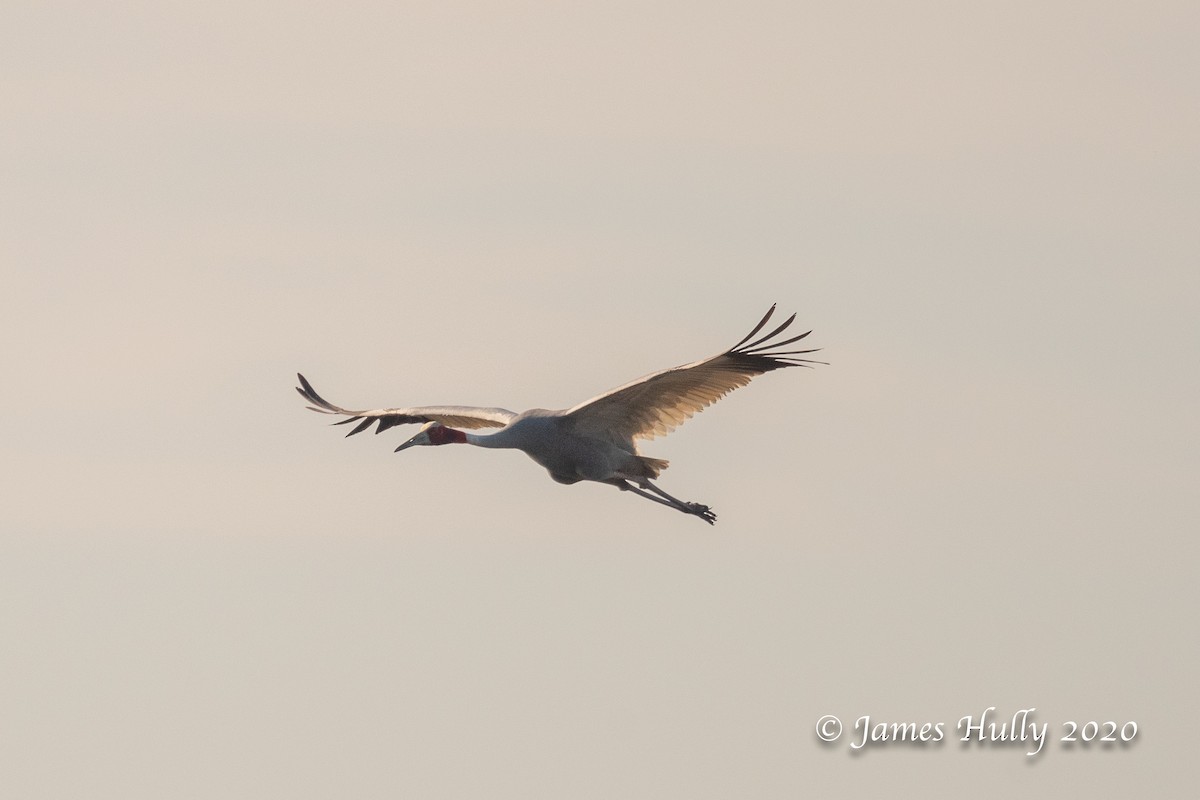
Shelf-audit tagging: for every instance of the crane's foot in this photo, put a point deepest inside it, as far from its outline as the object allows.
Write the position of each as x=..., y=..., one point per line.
x=702, y=511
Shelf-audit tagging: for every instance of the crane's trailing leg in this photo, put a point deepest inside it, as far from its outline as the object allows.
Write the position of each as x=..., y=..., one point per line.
x=699, y=509
x=696, y=509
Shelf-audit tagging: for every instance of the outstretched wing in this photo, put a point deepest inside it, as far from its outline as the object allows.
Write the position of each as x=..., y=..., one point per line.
x=658, y=403
x=452, y=416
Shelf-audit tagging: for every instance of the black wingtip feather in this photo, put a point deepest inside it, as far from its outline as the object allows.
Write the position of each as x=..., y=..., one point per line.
x=764, y=355
x=361, y=426
x=310, y=394
x=387, y=422
x=769, y=336
x=757, y=346
x=762, y=322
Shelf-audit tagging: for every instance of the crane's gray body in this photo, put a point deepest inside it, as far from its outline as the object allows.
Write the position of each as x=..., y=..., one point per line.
x=550, y=439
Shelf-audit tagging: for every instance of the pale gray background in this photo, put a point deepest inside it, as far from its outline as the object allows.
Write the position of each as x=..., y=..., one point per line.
x=987, y=212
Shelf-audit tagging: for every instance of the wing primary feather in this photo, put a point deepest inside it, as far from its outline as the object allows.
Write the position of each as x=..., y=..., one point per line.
x=388, y=422
x=770, y=335
x=308, y=391
x=800, y=362
x=362, y=426
x=757, y=327
x=795, y=352
x=769, y=345
x=310, y=399
x=310, y=394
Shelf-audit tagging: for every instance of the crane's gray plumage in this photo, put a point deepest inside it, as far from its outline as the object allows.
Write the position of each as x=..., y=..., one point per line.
x=597, y=439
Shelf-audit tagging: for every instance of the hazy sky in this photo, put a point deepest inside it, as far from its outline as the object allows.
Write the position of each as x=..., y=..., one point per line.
x=987, y=212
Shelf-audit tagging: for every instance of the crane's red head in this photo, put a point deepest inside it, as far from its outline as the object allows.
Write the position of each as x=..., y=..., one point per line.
x=440, y=434
x=434, y=433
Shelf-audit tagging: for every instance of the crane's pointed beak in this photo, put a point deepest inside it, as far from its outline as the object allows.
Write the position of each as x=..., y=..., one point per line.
x=422, y=437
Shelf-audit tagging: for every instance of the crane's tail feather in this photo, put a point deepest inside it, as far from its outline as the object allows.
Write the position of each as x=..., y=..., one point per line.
x=653, y=466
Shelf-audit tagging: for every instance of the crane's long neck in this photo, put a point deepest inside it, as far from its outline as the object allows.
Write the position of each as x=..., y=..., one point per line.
x=498, y=439
x=517, y=435
x=436, y=434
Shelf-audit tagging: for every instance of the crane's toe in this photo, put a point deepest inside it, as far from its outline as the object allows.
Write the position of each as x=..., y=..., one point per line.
x=703, y=512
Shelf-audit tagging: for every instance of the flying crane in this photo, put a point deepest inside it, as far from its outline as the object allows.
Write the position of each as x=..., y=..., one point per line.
x=597, y=439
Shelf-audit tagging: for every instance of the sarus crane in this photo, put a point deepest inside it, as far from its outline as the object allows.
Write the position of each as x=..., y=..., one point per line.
x=597, y=439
